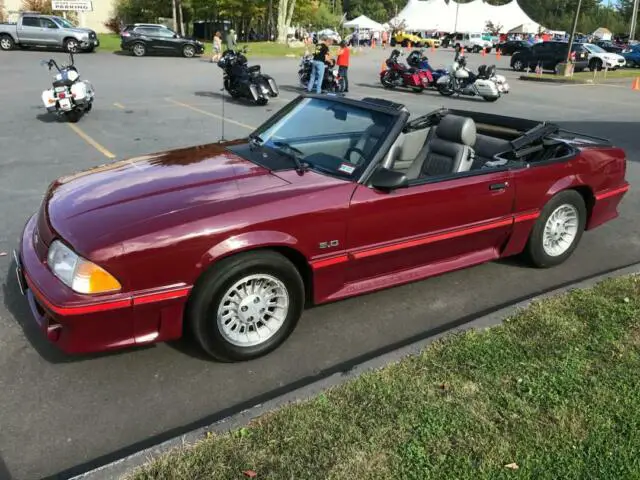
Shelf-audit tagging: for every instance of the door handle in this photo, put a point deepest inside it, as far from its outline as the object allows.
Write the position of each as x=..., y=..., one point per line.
x=498, y=186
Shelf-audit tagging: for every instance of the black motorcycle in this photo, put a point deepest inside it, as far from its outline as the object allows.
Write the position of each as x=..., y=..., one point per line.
x=244, y=81
x=331, y=81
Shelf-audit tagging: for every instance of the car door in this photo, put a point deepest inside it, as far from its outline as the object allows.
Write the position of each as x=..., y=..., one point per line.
x=50, y=35
x=432, y=224
x=30, y=31
x=149, y=37
x=168, y=40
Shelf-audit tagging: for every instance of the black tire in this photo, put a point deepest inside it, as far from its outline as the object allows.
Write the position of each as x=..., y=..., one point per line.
x=188, y=51
x=262, y=101
x=139, y=49
x=7, y=43
x=73, y=116
x=71, y=45
x=534, y=250
x=476, y=49
x=491, y=99
x=384, y=79
x=595, y=64
x=201, y=313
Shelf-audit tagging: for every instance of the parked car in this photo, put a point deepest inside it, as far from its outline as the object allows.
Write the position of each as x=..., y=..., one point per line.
x=404, y=39
x=143, y=40
x=549, y=55
x=330, y=198
x=472, y=42
x=609, y=46
x=35, y=30
x=511, y=46
x=599, y=58
x=632, y=55
x=126, y=31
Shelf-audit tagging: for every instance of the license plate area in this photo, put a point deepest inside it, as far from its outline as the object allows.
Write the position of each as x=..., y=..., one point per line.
x=65, y=104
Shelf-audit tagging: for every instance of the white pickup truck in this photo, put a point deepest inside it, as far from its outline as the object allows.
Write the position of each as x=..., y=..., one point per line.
x=33, y=29
x=472, y=42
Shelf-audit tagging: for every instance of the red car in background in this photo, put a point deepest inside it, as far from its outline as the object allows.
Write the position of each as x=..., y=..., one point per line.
x=330, y=198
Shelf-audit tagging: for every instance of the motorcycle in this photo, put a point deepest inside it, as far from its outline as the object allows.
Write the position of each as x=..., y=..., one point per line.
x=417, y=59
x=70, y=96
x=461, y=80
x=244, y=81
x=400, y=75
x=331, y=82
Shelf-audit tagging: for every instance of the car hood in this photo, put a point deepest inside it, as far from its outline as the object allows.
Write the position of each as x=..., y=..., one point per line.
x=79, y=30
x=85, y=207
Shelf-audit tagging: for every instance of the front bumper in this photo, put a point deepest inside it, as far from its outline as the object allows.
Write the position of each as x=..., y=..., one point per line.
x=82, y=324
x=91, y=43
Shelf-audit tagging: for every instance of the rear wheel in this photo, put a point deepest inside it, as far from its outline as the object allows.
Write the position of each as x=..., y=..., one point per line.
x=139, y=49
x=558, y=230
x=246, y=306
x=7, y=43
x=386, y=81
x=262, y=101
x=517, y=65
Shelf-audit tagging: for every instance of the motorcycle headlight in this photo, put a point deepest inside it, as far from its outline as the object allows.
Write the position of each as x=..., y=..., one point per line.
x=81, y=275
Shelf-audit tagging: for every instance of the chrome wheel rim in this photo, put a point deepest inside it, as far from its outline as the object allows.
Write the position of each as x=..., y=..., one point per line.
x=72, y=46
x=517, y=65
x=5, y=43
x=253, y=310
x=138, y=49
x=560, y=230
x=189, y=51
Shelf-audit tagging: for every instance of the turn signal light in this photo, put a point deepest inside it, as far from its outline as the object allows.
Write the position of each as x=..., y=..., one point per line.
x=90, y=278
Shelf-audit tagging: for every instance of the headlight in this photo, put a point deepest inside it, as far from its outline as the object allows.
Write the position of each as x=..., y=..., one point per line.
x=79, y=274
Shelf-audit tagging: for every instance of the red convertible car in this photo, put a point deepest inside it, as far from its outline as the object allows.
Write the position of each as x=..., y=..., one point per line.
x=330, y=198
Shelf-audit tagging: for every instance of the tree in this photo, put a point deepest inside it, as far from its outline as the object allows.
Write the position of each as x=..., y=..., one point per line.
x=493, y=28
x=285, y=13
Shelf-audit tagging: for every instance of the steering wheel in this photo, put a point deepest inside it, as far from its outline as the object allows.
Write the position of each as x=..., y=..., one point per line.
x=357, y=150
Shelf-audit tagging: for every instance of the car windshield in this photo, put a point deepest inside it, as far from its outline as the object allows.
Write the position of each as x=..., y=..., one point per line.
x=64, y=22
x=330, y=137
x=594, y=48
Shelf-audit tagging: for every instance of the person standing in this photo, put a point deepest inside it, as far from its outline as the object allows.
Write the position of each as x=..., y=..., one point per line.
x=320, y=56
x=217, y=47
x=343, y=64
x=231, y=40
x=385, y=38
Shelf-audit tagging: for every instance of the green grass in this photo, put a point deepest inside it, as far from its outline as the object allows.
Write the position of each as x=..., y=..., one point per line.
x=599, y=76
x=555, y=390
x=110, y=42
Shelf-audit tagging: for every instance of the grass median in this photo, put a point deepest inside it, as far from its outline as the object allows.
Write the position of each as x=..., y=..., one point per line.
x=111, y=43
x=552, y=393
x=584, y=77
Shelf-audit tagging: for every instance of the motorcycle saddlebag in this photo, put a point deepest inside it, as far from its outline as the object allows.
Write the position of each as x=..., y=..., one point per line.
x=416, y=80
x=486, y=88
x=79, y=91
x=49, y=100
x=272, y=85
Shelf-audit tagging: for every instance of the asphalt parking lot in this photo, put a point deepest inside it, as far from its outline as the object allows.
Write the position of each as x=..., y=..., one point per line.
x=66, y=414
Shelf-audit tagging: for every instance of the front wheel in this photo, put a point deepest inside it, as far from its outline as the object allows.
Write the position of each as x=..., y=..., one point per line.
x=595, y=64
x=246, y=305
x=558, y=230
x=188, y=51
x=386, y=81
x=491, y=99
x=71, y=45
x=445, y=89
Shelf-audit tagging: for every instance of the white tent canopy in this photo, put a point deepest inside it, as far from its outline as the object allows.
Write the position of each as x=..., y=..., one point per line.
x=472, y=17
x=526, y=28
x=363, y=22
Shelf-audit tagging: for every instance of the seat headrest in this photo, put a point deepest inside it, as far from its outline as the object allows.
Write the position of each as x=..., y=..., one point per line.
x=454, y=128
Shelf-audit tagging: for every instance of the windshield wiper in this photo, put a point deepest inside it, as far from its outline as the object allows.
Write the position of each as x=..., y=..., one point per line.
x=291, y=153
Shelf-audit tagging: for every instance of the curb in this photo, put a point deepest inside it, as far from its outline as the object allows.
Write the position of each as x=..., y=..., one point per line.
x=611, y=81
x=125, y=465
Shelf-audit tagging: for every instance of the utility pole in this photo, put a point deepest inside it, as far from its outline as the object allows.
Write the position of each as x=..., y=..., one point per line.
x=573, y=31
x=634, y=20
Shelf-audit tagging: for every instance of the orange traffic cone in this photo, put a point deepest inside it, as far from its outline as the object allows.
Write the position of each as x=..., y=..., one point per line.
x=636, y=84
x=498, y=53
x=433, y=48
x=484, y=52
x=383, y=68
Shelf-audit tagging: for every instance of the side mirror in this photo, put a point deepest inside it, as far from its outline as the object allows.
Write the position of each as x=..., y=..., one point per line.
x=385, y=179
x=175, y=35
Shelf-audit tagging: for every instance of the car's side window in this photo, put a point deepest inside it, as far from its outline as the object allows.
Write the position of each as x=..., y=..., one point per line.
x=46, y=23
x=30, y=22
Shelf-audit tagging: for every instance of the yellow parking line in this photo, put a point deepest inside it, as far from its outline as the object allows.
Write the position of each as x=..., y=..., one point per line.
x=119, y=105
x=204, y=112
x=91, y=141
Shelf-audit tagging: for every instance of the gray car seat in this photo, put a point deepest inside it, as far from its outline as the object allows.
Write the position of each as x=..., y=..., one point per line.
x=449, y=151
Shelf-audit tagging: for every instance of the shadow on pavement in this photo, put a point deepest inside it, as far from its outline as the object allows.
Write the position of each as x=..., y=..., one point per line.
x=4, y=470
x=17, y=305
x=228, y=98
x=48, y=118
